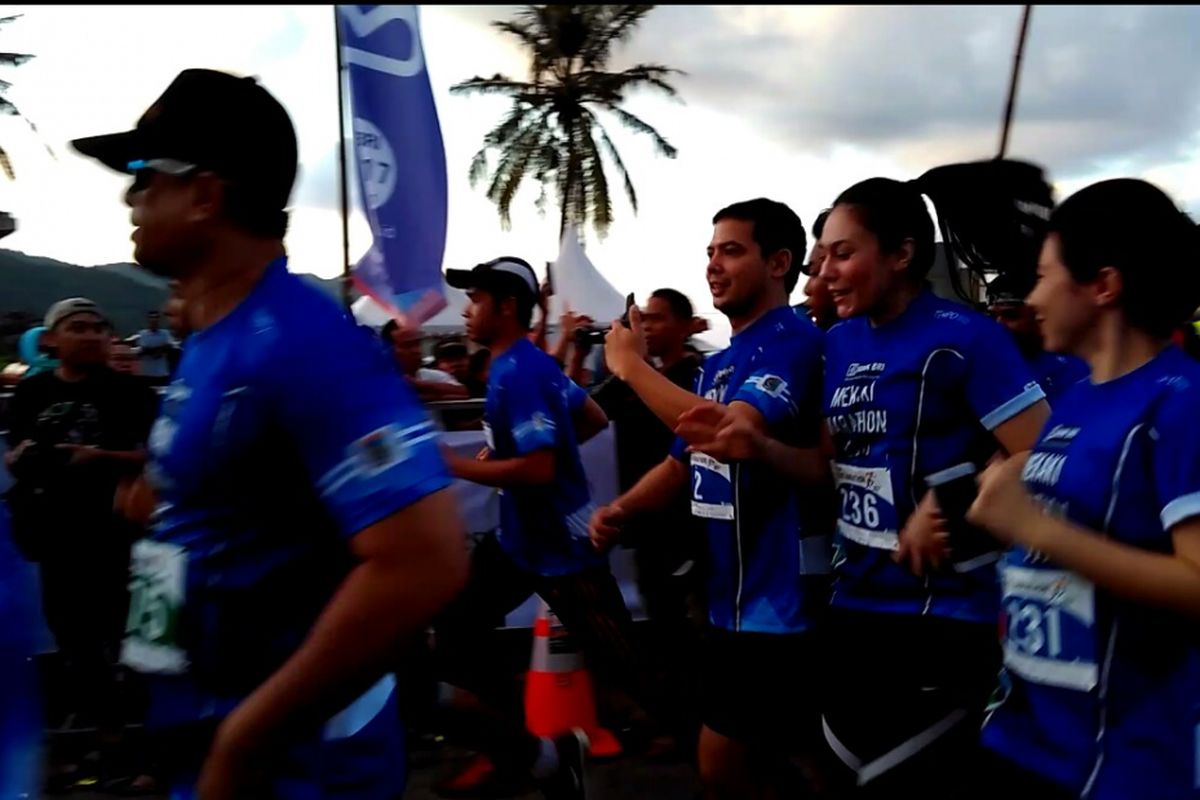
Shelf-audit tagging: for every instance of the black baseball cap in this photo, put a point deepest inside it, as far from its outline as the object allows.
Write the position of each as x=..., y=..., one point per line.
x=214, y=121
x=506, y=275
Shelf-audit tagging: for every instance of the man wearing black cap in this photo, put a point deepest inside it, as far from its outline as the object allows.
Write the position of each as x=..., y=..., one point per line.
x=75, y=431
x=531, y=417
x=297, y=536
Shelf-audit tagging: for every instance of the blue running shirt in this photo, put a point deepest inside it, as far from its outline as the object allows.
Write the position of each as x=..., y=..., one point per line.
x=903, y=401
x=1104, y=694
x=285, y=432
x=530, y=406
x=1056, y=373
x=761, y=550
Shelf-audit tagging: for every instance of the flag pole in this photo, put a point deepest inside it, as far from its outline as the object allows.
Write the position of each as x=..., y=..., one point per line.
x=1012, y=82
x=344, y=183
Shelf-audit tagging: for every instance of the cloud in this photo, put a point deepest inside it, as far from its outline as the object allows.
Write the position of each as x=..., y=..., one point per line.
x=927, y=85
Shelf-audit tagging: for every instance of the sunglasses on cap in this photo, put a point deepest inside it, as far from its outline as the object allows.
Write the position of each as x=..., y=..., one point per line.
x=143, y=170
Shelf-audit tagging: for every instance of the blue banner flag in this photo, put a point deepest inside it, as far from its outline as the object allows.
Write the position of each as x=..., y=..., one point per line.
x=401, y=161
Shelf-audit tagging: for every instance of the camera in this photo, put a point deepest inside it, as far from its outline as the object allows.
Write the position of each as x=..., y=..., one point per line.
x=590, y=337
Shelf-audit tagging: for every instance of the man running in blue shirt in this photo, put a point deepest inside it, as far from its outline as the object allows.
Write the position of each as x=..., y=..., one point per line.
x=768, y=551
x=534, y=420
x=298, y=536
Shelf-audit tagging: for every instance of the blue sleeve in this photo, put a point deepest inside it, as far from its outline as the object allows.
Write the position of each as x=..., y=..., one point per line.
x=1176, y=461
x=782, y=380
x=576, y=396
x=1000, y=384
x=367, y=442
x=531, y=398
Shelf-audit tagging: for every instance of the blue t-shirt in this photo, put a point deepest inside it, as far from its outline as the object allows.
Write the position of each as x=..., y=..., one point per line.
x=1101, y=689
x=530, y=407
x=903, y=401
x=1056, y=373
x=285, y=432
x=766, y=562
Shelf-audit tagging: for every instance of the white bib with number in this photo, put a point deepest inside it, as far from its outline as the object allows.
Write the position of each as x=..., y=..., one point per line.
x=712, y=488
x=157, y=587
x=868, y=508
x=1050, y=636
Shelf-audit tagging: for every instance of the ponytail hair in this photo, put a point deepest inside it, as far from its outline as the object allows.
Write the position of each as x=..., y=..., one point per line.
x=993, y=216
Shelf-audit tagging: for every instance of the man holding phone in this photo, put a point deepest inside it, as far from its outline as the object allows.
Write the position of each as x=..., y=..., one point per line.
x=668, y=549
x=75, y=431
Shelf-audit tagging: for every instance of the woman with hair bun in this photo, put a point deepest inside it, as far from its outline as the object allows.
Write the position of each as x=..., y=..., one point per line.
x=1101, y=587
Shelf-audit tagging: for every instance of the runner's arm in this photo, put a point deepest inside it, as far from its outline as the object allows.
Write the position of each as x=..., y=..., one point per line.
x=590, y=420
x=656, y=489
x=1162, y=580
x=668, y=401
x=409, y=566
x=738, y=432
x=531, y=469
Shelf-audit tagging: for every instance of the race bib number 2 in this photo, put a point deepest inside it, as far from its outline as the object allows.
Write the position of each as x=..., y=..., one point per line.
x=867, y=513
x=712, y=488
x=157, y=589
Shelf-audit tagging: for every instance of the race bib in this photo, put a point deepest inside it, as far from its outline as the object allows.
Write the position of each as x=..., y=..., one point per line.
x=157, y=586
x=1049, y=635
x=868, y=510
x=712, y=488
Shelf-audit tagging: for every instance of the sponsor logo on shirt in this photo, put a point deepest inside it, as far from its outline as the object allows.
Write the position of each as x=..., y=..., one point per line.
x=856, y=371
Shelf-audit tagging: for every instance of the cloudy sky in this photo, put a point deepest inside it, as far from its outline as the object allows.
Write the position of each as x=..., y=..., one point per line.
x=789, y=103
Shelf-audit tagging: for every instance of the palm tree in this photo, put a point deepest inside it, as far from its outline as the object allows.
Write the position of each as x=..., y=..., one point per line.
x=6, y=105
x=552, y=132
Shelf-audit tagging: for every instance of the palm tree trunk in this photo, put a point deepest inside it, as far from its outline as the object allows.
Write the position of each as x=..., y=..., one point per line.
x=1010, y=106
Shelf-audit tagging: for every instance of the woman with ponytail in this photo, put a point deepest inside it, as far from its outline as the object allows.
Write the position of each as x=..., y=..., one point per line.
x=918, y=391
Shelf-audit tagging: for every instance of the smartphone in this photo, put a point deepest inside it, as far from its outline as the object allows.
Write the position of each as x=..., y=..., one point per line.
x=955, y=490
x=629, y=303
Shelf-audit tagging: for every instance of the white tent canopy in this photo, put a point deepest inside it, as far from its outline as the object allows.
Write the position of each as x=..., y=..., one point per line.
x=578, y=285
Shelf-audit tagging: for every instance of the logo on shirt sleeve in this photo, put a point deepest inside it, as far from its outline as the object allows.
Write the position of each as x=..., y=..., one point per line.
x=380, y=449
x=770, y=385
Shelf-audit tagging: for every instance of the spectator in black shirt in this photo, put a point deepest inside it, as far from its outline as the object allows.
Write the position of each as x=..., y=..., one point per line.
x=75, y=432
x=669, y=561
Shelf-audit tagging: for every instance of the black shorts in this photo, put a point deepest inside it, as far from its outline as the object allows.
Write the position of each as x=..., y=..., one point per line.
x=761, y=689
x=906, y=697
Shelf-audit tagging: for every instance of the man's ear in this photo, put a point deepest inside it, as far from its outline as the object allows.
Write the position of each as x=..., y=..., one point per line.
x=209, y=197
x=1108, y=287
x=780, y=263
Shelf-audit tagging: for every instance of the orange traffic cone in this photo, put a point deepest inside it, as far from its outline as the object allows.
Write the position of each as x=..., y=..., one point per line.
x=558, y=688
